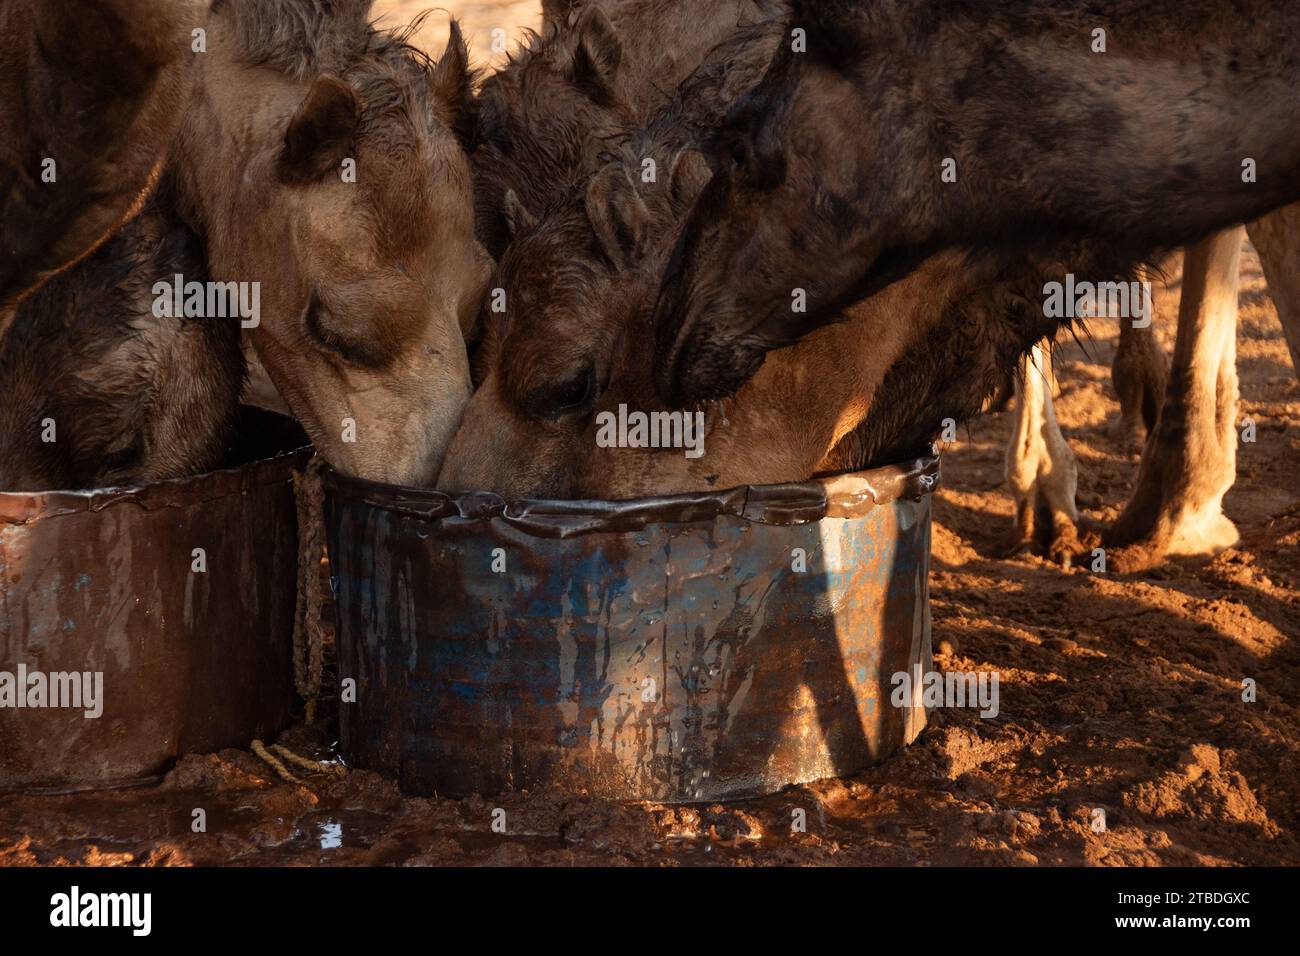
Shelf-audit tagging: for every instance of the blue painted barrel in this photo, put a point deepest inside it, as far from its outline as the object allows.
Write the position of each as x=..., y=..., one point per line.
x=100, y=588
x=687, y=648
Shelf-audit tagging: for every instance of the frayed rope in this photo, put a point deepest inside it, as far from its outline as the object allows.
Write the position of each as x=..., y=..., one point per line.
x=308, y=634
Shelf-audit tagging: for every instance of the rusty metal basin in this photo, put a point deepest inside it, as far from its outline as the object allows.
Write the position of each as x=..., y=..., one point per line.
x=677, y=649
x=104, y=582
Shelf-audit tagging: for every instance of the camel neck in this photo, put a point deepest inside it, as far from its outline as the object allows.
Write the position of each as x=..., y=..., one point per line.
x=226, y=149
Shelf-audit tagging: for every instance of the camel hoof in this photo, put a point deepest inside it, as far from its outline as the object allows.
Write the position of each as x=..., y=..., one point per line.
x=1204, y=538
x=1135, y=558
x=1070, y=545
x=1062, y=551
x=1200, y=536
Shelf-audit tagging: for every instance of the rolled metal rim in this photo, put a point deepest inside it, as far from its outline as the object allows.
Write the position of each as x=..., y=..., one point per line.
x=846, y=495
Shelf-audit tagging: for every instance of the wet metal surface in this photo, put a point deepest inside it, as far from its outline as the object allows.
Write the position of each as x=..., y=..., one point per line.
x=666, y=649
x=104, y=582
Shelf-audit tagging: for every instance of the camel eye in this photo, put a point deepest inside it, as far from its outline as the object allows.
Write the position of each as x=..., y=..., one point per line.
x=354, y=350
x=569, y=397
x=576, y=391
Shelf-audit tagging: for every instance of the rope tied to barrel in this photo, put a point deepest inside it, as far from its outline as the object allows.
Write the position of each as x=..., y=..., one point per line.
x=308, y=633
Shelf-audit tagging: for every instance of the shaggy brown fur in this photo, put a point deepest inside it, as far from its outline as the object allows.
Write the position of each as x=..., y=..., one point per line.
x=130, y=396
x=548, y=116
x=306, y=39
x=1122, y=155
x=365, y=285
x=578, y=286
x=97, y=86
x=577, y=334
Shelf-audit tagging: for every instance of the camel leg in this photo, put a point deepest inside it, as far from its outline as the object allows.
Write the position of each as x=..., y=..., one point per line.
x=1276, y=238
x=1139, y=374
x=1190, y=460
x=1040, y=466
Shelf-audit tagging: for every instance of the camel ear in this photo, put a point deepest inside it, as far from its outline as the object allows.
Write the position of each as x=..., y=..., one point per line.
x=597, y=56
x=518, y=218
x=618, y=216
x=689, y=175
x=320, y=134
x=452, y=83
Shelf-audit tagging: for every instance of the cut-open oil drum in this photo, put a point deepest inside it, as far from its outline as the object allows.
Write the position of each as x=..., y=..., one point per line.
x=686, y=648
x=167, y=607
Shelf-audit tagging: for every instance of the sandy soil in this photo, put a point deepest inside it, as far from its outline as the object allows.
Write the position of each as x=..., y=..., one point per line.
x=1118, y=692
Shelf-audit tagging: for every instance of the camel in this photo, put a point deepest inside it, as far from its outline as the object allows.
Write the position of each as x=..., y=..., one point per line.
x=574, y=343
x=544, y=121
x=575, y=274
x=363, y=282
x=876, y=395
x=578, y=348
x=325, y=160
x=1275, y=237
x=100, y=388
x=1041, y=470
x=779, y=221
x=995, y=129
x=91, y=93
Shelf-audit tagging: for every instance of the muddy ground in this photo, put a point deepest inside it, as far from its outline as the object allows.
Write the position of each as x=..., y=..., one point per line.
x=1119, y=692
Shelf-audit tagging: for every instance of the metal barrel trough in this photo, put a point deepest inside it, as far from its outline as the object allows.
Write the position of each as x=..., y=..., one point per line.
x=103, y=607
x=680, y=649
